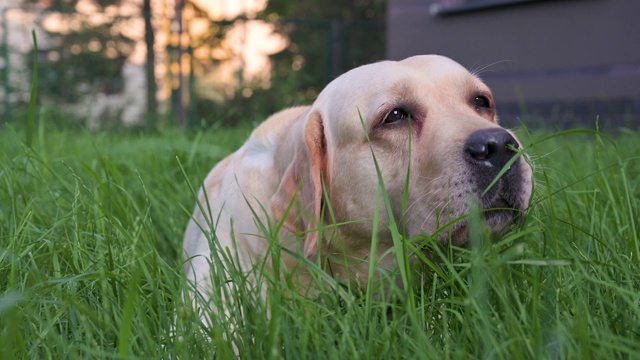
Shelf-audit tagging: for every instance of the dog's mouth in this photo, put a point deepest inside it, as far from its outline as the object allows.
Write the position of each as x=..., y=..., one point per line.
x=499, y=212
x=496, y=220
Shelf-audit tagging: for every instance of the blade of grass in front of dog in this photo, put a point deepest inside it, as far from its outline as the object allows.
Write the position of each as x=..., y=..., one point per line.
x=11, y=340
x=372, y=259
x=398, y=240
x=504, y=169
x=318, y=271
x=405, y=191
x=124, y=338
x=31, y=111
x=208, y=215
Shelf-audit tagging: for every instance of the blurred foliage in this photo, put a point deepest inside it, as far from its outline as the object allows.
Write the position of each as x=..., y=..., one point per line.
x=326, y=38
x=85, y=56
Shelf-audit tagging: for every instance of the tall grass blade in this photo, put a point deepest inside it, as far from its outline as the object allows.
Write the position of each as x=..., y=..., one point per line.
x=130, y=301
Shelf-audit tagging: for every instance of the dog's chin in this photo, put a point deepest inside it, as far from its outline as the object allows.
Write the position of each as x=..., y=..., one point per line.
x=458, y=234
x=497, y=218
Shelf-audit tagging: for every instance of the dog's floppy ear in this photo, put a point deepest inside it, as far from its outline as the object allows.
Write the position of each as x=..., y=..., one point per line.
x=300, y=189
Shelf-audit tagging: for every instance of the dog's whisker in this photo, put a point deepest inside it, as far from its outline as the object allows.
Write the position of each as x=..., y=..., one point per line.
x=483, y=68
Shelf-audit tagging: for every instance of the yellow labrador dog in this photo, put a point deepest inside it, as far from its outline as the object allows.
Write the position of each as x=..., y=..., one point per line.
x=426, y=114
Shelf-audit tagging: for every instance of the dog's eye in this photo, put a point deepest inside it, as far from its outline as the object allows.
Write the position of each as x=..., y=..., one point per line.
x=482, y=101
x=396, y=115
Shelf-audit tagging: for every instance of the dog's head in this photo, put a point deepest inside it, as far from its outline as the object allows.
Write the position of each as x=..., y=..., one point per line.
x=432, y=128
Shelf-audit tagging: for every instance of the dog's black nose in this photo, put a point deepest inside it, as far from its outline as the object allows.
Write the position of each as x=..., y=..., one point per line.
x=493, y=147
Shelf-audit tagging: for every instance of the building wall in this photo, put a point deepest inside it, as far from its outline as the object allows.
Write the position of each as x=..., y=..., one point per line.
x=573, y=52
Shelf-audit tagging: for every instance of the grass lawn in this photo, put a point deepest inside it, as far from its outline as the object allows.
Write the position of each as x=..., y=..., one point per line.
x=91, y=227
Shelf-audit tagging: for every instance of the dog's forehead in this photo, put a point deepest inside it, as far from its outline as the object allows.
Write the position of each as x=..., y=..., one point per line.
x=433, y=63
x=430, y=68
x=362, y=93
x=420, y=71
x=439, y=75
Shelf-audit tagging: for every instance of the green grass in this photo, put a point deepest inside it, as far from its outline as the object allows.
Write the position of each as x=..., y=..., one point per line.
x=90, y=234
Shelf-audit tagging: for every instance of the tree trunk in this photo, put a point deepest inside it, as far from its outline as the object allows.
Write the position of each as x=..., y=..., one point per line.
x=149, y=39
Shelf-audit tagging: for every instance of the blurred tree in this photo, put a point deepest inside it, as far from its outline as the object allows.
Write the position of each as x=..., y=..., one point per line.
x=89, y=44
x=194, y=40
x=150, y=75
x=329, y=37
x=326, y=38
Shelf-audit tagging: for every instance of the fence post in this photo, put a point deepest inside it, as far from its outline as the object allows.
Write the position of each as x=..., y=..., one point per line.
x=149, y=39
x=5, y=55
x=179, y=91
x=336, y=48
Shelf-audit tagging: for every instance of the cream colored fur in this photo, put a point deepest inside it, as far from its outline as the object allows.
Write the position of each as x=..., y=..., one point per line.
x=299, y=153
